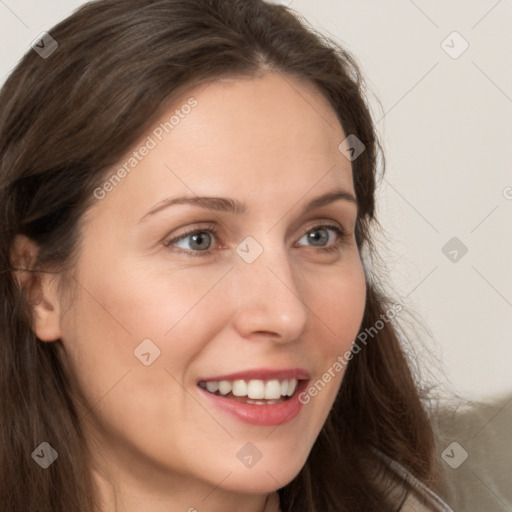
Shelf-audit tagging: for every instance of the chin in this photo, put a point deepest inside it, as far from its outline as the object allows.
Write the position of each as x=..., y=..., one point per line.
x=263, y=476
x=259, y=482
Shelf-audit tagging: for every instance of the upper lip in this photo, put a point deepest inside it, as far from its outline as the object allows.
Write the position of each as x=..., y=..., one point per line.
x=263, y=374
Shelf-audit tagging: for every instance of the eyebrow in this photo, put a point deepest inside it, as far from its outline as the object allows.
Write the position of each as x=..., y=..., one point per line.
x=227, y=205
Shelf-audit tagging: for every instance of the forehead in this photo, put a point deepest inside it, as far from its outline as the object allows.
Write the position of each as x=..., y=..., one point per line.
x=274, y=112
x=245, y=136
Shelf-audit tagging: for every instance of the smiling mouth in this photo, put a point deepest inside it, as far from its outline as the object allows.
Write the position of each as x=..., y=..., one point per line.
x=253, y=391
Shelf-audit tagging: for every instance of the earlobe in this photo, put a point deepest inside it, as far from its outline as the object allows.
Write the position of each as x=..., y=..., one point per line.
x=39, y=289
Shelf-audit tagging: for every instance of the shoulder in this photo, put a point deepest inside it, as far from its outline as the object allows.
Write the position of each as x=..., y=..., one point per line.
x=417, y=503
x=412, y=494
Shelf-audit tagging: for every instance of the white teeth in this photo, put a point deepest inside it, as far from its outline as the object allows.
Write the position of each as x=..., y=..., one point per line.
x=273, y=390
x=292, y=384
x=239, y=388
x=262, y=402
x=224, y=387
x=212, y=386
x=254, y=389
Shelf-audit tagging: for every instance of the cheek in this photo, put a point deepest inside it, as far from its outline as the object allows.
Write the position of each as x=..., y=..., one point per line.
x=102, y=333
x=337, y=302
x=126, y=315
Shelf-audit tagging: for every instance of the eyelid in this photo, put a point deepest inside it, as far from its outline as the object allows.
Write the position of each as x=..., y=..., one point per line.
x=208, y=228
x=336, y=226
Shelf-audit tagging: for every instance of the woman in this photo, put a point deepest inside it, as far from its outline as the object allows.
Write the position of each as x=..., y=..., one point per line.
x=187, y=194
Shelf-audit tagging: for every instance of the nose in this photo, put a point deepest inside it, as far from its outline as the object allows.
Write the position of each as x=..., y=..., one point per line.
x=269, y=300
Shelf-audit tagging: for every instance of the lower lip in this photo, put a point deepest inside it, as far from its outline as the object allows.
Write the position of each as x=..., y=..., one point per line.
x=263, y=415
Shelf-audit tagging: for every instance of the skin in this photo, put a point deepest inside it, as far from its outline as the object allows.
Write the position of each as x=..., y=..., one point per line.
x=157, y=444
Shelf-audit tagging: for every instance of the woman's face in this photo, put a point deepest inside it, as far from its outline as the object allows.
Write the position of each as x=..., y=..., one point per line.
x=239, y=280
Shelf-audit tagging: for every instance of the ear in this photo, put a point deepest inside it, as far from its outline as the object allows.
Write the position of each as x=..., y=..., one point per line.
x=39, y=289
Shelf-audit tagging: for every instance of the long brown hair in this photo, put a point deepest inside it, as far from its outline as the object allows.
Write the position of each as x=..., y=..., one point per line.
x=64, y=120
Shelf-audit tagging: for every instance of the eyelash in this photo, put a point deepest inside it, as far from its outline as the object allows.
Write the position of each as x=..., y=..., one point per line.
x=342, y=236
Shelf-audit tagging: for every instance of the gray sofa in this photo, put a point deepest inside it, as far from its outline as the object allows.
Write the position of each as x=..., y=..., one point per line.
x=475, y=450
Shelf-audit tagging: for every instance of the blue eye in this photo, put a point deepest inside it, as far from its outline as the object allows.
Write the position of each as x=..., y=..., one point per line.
x=322, y=236
x=196, y=241
x=199, y=242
